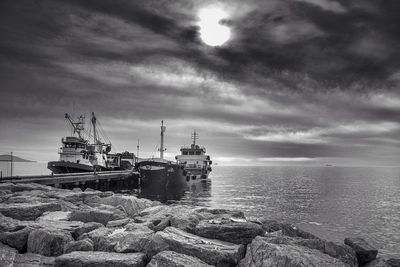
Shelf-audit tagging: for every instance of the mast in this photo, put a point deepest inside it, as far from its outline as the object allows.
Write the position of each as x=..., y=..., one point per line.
x=78, y=127
x=94, y=128
x=195, y=136
x=137, y=149
x=12, y=164
x=162, y=149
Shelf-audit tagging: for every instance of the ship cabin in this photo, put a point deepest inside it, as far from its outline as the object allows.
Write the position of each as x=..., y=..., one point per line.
x=194, y=157
x=74, y=149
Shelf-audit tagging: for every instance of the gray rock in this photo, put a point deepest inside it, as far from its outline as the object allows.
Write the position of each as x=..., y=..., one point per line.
x=48, y=242
x=7, y=255
x=101, y=259
x=86, y=228
x=213, y=252
x=364, y=251
x=136, y=239
x=174, y=259
x=378, y=262
x=24, y=187
x=33, y=260
x=394, y=262
x=94, y=215
x=55, y=216
x=118, y=223
x=287, y=229
x=238, y=232
x=80, y=245
x=105, y=239
x=339, y=251
x=262, y=253
x=8, y=224
x=131, y=204
x=27, y=211
x=182, y=217
x=17, y=239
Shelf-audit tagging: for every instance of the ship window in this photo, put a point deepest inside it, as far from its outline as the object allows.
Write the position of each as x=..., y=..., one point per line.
x=198, y=153
x=184, y=153
x=191, y=153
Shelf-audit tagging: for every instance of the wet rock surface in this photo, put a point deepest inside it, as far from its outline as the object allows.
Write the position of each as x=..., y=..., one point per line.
x=45, y=226
x=101, y=259
x=364, y=251
x=262, y=253
x=211, y=251
x=174, y=259
x=234, y=231
x=48, y=242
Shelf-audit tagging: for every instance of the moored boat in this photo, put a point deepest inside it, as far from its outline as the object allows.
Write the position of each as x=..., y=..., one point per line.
x=78, y=154
x=160, y=176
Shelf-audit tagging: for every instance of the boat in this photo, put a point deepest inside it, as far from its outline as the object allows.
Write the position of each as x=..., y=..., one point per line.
x=159, y=176
x=196, y=163
x=78, y=154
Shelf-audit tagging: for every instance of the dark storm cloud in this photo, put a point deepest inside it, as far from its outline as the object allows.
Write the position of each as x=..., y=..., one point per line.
x=304, y=78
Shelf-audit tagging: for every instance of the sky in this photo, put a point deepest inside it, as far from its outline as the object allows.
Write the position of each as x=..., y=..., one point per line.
x=293, y=82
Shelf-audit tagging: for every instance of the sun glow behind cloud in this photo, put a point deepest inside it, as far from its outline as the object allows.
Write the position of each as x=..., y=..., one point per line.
x=212, y=32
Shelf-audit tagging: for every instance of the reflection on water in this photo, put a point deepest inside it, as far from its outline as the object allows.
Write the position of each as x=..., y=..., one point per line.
x=197, y=194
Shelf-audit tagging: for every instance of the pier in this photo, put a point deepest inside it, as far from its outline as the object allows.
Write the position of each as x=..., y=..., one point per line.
x=105, y=180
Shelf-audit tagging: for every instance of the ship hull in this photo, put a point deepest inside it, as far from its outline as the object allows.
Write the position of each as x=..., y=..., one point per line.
x=68, y=167
x=160, y=178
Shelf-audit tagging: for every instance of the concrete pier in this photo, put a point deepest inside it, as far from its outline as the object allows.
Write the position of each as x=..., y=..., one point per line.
x=96, y=180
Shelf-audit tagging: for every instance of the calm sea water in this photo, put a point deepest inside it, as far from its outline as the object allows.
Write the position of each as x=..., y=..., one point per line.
x=331, y=202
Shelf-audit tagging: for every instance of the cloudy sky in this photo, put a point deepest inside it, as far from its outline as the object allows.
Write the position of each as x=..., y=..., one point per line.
x=297, y=81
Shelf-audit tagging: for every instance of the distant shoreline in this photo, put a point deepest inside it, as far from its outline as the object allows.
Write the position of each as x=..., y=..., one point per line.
x=7, y=158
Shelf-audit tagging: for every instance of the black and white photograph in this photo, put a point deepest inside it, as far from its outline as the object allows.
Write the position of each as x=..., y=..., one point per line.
x=191, y=133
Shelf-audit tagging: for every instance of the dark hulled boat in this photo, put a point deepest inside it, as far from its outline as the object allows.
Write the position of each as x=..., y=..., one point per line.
x=159, y=176
x=78, y=154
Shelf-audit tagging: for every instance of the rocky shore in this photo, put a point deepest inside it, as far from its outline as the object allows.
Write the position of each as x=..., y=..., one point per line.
x=46, y=226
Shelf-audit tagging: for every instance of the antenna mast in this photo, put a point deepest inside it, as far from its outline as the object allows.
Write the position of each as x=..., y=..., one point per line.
x=137, y=149
x=162, y=149
x=195, y=136
x=94, y=119
x=78, y=127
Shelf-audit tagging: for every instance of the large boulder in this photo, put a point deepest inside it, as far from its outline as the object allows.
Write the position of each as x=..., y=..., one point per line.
x=85, y=228
x=17, y=239
x=286, y=229
x=174, y=259
x=76, y=197
x=33, y=260
x=119, y=223
x=101, y=259
x=25, y=187
x=339, y=251
x=48, y=242
x=262, y=253
x=8, y=224
x=234, y=231
x=182, y=217
x=135, y=239
x=80, y=245
x=27, y=211
x=55, y=216
x=7, y=255
x=213, y=252
x=95, y=215
x=131, y=204
x=364, y=251
x=105, y=239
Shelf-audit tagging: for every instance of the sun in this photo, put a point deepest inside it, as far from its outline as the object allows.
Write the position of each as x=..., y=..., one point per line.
x=212, y=32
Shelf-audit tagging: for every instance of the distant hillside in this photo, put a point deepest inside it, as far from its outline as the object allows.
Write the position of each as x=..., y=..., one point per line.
x=15, y=159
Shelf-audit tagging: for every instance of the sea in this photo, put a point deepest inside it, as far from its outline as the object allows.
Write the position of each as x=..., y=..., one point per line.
x=331, y=202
